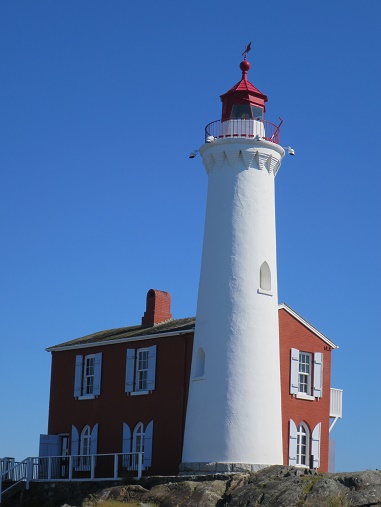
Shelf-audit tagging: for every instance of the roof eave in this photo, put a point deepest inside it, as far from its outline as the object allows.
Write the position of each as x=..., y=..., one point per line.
x=119, y=340
x=307, y=325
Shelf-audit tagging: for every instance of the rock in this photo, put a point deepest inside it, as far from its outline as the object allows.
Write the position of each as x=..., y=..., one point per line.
x=276, y=486
x=187, y=494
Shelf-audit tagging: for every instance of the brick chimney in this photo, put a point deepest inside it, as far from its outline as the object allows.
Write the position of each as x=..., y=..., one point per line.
x=158, y=308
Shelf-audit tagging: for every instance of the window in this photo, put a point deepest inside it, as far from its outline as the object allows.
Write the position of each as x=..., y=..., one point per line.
x=138, y=438
x=302, y=444
x=84, y=446
x=257, y=112
x=141, y=442
x=140, y=370
x=304, y=451
x=242, y=111
x=265, y=277
x=87, y=380
x=88, y=375
x=306, y=374
x=304, y=378
x=199, y=364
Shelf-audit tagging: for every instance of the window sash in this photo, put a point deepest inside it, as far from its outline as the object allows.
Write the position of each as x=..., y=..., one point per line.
x=302, y=446
x=138, y=439
x=88, y=375
x=304, y=380
x=85, y=448
x=141, y=370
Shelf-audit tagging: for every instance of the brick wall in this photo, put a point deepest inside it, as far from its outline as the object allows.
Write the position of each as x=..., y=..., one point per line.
x=293, y=334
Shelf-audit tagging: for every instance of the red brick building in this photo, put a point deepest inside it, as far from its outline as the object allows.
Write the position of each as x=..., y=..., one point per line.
x=125, y=390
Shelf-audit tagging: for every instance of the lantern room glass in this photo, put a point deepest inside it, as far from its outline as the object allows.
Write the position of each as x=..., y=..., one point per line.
x=246, y=112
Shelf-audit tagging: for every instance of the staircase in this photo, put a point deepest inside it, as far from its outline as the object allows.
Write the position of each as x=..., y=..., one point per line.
x=13, y=477
x=11, y=488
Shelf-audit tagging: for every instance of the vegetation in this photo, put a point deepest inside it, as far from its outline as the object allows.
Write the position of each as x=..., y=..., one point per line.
x=114, y=503
x=339, y=500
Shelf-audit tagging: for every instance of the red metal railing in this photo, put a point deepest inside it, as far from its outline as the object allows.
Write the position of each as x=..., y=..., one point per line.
x=243, y=128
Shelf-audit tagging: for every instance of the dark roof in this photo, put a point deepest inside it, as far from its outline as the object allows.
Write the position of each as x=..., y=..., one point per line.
x=110, y=335
x=169, y=326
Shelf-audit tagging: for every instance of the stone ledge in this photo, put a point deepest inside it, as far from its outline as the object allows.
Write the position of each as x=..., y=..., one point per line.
x=205, y=468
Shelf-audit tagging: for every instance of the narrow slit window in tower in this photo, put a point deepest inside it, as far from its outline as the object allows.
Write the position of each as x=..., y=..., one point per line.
x=200, y=363
x=265, y=277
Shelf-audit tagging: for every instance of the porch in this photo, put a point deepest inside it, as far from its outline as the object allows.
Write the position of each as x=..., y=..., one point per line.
x=97, y=467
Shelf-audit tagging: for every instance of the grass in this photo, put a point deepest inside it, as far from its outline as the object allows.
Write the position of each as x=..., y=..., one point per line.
x=339, y=500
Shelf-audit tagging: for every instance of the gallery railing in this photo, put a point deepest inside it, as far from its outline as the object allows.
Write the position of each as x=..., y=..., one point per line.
x=96, y=467
x=240, y=127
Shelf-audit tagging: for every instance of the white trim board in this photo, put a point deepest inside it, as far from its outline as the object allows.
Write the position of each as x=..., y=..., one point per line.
x=289, y=310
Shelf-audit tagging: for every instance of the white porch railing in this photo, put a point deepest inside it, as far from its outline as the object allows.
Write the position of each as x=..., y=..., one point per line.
x=97, y=467
x=11, y=476
x=336, y=408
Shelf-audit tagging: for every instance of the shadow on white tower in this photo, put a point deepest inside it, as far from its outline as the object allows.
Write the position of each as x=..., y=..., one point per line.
x=233, y=420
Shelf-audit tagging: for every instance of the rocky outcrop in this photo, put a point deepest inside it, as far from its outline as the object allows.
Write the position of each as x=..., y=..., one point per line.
x=276, y=486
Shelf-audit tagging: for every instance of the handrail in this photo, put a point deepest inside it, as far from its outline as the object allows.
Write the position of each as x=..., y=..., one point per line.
x=16, y=474
x=241, y=127
x=72, y=468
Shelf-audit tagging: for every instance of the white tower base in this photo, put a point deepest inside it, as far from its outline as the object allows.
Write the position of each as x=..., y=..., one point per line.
x=233, y=418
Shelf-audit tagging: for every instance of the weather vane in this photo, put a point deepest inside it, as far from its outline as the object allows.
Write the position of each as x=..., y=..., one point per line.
x=247, y=49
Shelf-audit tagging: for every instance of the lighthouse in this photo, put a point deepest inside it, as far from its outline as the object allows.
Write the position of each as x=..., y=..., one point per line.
x=233, y=420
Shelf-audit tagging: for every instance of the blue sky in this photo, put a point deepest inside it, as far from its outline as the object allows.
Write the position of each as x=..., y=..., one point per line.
x=101, y=103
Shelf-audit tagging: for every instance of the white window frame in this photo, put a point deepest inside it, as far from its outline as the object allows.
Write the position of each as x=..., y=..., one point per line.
x=138, y=438
x=141, y=373
x=305, y=370
x=141, y=441
x=311, y=376
x=302, y=431
x=85, y=444
x=85, y=449
x=84, y=388
x=265, y=286
x=134, y=385
x=88, y=389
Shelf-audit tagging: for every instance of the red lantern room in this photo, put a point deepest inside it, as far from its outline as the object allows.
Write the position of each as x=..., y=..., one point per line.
x=243, y=108
x=243, y=101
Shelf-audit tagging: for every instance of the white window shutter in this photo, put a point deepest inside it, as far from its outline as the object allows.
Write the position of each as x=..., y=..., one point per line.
x=78, y=376
x=292, y=444
x=148, y=445
x=130, y=370
x=151, y=368
x=49, y=445
x=97, y=373
x=74, y=441
x=294, y=372
x=126, y=444
x=318, y=374
x=315, y=445
x=94, y=440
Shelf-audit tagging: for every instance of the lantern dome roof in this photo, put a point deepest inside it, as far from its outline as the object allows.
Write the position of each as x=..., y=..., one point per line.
x=244, y=89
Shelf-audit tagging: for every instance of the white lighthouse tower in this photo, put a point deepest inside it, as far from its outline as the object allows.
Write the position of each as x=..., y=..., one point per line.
x=233, y=420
